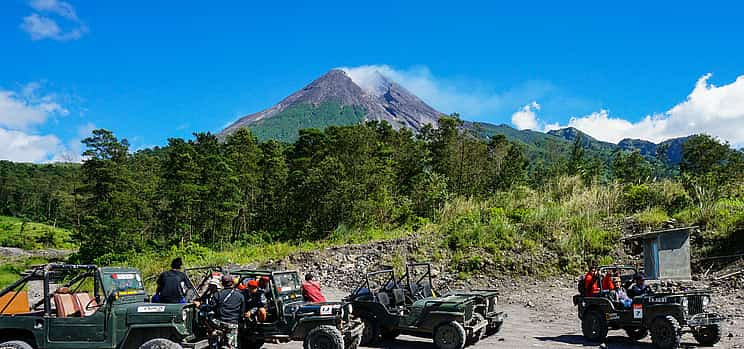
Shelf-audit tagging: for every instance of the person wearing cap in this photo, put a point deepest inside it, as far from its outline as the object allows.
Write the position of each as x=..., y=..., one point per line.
x=172, y=284
x=229, y=308
x=639, y=287
x=311, y=290
x=255, y=302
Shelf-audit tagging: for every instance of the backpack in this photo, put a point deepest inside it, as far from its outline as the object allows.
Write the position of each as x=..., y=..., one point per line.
x=581, y=286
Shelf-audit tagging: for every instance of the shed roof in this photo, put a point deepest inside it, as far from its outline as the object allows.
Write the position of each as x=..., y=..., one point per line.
x=652, y=234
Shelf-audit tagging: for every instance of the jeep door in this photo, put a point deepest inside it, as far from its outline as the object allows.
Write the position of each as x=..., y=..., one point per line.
x=77, y=317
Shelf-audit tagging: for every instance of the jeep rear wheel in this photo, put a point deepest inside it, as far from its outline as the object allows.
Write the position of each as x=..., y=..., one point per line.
x=450, y=335
x=665, y=332
x=594, y=326
x=160, y=343
x=636, y=333
x=708, y=335
x=371, y=333
x=15, y=345
x=324, y=337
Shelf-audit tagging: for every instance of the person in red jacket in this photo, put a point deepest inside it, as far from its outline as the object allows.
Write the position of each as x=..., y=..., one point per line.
x=311, y=290
x=591, y=282
x=607, y=282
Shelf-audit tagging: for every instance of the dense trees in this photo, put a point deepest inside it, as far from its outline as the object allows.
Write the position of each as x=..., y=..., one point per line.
x=215, y=192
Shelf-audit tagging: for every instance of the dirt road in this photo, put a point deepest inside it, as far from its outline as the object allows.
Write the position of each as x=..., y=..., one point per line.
x=547, y=324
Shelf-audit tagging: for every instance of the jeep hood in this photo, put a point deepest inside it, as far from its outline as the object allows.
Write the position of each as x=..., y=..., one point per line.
x=307, y=308
x=153, y=313
x=453, y=299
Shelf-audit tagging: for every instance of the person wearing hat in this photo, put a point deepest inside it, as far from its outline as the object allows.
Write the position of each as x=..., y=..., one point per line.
x=311, y=289
x=172, y=284
x=213, y=286
x=639, y=287
x=255, y=302
x=229, y=308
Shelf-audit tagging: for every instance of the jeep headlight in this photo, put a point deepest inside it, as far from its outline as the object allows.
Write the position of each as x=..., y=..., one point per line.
x=184, y=315
x=349, y=308
x=684, y=302
x=706, y=301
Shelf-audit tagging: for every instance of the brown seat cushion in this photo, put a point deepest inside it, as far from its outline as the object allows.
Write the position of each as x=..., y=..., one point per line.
x=86, y=304
x=66, y=305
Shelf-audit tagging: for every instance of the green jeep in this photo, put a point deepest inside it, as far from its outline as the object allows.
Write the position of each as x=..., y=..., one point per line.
x=390, y=306
x=328, y=325
x=94, y=308
x=665, y=315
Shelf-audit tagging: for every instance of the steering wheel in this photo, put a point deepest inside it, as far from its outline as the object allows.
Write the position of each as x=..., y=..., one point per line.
x=90, y=305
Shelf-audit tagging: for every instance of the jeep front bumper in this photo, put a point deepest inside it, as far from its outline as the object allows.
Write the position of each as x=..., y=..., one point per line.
x=705, y=319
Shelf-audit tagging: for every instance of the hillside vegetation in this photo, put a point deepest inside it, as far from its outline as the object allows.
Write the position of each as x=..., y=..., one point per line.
x=482, y=206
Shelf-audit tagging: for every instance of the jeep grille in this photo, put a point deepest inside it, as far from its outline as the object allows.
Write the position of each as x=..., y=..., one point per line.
x=468, y=311
x=695, y=304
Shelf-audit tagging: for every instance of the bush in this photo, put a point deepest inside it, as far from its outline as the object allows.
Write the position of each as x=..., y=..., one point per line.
x=652, y=218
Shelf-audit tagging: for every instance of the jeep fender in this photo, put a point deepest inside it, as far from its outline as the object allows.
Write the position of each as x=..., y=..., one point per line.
x=20, y=334
x=304, y=325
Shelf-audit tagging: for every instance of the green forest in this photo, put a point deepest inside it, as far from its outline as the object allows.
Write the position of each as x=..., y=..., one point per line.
x=482, y=203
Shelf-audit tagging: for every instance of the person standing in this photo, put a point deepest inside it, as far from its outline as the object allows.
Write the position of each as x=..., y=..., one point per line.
x=591, y=282
x=172, y=284
x=311, y=289
x=229, y=308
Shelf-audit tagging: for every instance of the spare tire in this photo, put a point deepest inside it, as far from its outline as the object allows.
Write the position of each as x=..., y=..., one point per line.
x=15, y=345
x=160, y=343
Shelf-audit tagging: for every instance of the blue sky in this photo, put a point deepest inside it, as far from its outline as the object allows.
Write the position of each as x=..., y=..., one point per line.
x=150, y=70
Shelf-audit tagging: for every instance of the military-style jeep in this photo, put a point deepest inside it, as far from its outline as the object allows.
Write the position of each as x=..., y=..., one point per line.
x=666, y=315
x=94, y=308
x=328, y=325
x=409, y=305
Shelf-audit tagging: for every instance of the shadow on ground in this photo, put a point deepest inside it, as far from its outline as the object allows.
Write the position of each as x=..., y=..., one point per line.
x=611, y=342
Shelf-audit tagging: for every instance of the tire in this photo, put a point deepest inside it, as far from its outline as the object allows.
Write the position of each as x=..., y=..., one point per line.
x=160, y=343
x=324, y=337
x=594, y=326
x=477, y=335
x=636, y=333
x=665, y=332
x=15, y=345
x=371, y=333
x=708, y=335
x=450, y=335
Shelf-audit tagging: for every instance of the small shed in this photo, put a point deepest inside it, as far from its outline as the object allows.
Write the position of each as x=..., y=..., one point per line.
x=666, y=253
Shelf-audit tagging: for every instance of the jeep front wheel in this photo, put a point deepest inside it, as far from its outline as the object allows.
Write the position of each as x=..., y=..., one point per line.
x=371, y=332
x=324, y=337
x=450, y=335
x=160, y=343
x=636, y=333
x=477, y=319
x=15, y=345
x=594, y=326
x=665, y=332
x=708, y=335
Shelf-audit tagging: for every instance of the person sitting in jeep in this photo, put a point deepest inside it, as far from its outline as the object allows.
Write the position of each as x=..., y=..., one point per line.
x=255, y=298
x=591, y=282
x=311, y=289
x=618, y=294
x=607, y=283
x=639, y=287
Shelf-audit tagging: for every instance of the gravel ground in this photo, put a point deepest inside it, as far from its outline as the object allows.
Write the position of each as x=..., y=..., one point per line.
x=545, y=322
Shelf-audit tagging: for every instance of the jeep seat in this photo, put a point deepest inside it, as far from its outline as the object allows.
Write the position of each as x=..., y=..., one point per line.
x=66, y=305
x=400, y=297
x=383, y=299
x=83, y=300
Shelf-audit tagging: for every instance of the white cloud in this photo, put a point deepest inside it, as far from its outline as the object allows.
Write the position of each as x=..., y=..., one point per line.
x=41, y=25
x=20, y=113
x=526, y=117
x=24, y=147
x=469, y=98
x=718, y=111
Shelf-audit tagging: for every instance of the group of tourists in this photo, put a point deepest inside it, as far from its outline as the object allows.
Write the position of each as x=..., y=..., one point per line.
x=593, y=284
x=247, y=301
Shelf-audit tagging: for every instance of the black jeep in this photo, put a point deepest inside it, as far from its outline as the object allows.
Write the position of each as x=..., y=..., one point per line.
x=665, y=315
